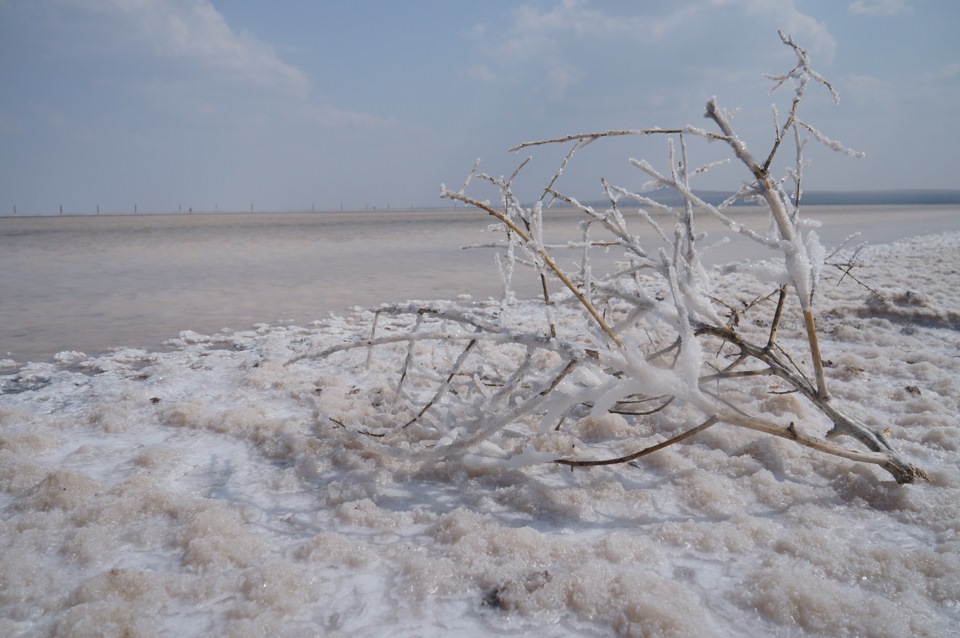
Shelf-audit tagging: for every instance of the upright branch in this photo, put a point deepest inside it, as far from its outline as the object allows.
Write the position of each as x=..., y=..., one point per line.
x=798, y=263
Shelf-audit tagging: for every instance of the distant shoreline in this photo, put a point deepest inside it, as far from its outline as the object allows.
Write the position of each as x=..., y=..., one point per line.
x=876, y=198
x=904, y=197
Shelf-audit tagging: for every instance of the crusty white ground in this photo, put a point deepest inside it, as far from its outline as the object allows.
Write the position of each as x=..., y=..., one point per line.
x=196, y=492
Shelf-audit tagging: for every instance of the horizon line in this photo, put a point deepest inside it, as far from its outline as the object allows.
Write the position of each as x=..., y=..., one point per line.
x=918, y=196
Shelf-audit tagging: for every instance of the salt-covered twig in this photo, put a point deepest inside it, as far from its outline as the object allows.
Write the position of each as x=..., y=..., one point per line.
x=542, y=254
x=445, y=385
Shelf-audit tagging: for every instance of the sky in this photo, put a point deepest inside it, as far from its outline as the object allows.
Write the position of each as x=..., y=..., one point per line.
x=169, y=105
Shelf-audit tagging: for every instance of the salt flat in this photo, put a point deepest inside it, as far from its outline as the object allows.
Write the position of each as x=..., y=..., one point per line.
x=216, y=489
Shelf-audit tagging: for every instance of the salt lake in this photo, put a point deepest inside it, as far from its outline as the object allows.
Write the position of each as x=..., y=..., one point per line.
x=92, y=283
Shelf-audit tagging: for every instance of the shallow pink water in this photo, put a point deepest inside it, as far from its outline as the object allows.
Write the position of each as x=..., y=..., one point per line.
x=96, y=282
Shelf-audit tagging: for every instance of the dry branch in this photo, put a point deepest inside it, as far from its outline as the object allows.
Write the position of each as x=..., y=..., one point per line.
x=657, y=318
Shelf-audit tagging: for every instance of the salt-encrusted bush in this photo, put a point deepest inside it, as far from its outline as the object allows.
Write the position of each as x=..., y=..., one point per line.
x=655, y=343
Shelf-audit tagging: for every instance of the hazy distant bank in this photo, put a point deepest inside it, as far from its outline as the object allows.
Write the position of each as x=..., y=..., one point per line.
x=905, y=197
x=918, y=197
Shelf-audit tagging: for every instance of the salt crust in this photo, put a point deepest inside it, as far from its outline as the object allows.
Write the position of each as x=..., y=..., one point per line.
x=195, y=492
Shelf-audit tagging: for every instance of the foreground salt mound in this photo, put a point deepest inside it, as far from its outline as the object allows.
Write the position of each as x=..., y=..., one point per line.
x=199, y=492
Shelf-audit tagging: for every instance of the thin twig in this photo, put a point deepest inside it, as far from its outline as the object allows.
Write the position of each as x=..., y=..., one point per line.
x=846, y=270
x=546, y=258
x=446, y=384
x=775, y=324
x=644, y=452
x=663, y=406
x=742, y=374
x=589, y=137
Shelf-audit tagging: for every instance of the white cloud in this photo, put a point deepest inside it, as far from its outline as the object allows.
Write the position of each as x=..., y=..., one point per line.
x=572, y=16
x=940, y=85
x=332, y=117
x=251, y=87
x=562, y=77
x=194, y=31
x=805, y=29
x=540, y=38
x=880, y=8
x=577, y=19
x=543, y=37
x=869, y=91
x=481, y=72
x=949, y=73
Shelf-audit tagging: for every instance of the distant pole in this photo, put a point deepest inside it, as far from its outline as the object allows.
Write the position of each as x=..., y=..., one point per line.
x=14, y=209
x=179, y=208
x=341, y=207
x=98, y=209
x=61, y=209
x=251, y=208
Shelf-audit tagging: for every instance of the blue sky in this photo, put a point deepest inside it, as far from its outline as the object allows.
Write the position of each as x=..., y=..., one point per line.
x=292, y=104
